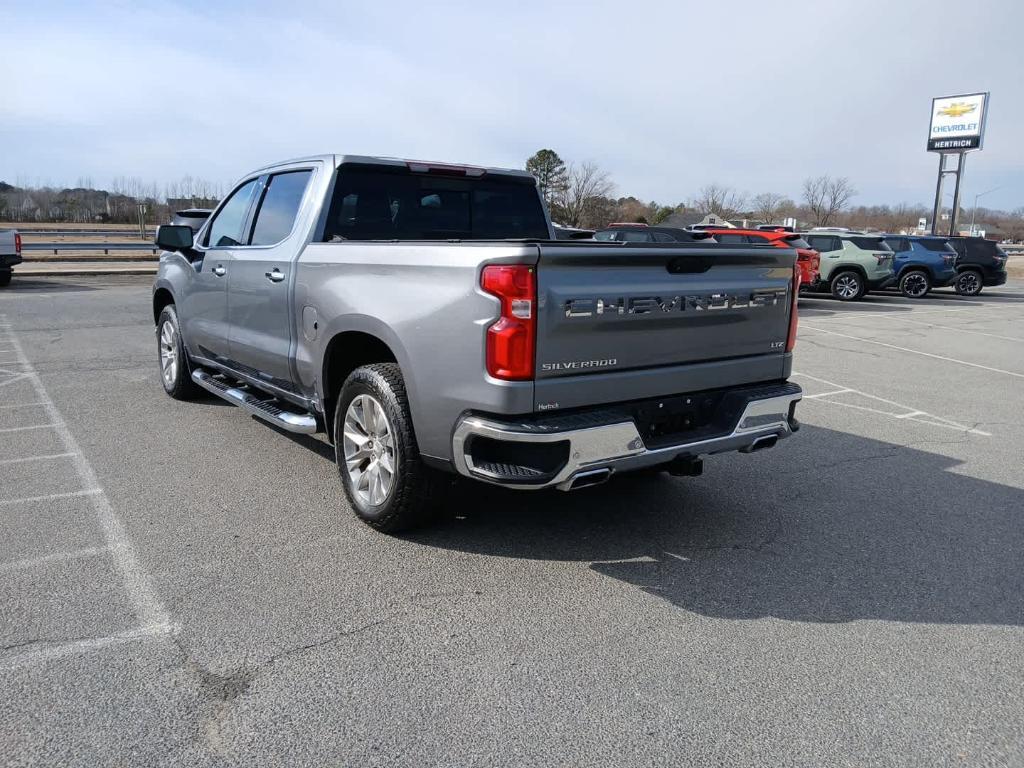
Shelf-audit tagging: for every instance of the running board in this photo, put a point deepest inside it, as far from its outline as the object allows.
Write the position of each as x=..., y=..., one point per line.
x=302, y=423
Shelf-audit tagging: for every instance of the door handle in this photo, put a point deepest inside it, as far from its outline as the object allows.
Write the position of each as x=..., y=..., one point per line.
x=219, y=271
x=276, y=276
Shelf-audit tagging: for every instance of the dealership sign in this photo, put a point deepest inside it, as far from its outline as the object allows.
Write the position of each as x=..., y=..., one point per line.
x=958, y=123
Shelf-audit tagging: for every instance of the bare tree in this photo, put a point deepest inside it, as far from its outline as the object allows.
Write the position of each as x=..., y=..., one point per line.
x=585, y=186
x=768, y=206
x=826, y=197
x=720, y=200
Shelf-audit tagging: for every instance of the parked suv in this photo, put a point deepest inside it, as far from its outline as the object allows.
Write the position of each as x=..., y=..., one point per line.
x=641, y=233
x=979, y=262
x=921, y=263
x=807, y=259
x=852, y=263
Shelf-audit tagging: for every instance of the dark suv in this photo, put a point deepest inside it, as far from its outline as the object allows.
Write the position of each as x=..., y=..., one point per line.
x=979, y=262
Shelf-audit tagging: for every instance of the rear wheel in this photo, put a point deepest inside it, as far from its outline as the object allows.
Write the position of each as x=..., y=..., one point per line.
x=384, y=478
x=174, y=371
x=5, y=277
x=848, y=285
x=968, y=283
x=915, y=284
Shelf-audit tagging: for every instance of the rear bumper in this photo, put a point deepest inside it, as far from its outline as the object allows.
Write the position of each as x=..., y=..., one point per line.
x=994, y=278
x=9, y=260
x=606, y=440
x=882, y=282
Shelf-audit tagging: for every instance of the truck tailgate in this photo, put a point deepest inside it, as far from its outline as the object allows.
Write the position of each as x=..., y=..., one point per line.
x=644, y=320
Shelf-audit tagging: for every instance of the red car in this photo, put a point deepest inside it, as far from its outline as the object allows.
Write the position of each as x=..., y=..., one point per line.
x=808, y=258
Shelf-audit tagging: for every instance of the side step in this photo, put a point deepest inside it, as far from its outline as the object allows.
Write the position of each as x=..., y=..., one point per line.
x=302, y=423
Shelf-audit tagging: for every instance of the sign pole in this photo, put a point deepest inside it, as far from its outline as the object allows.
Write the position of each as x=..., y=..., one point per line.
x=956, y=193
x=937, y=210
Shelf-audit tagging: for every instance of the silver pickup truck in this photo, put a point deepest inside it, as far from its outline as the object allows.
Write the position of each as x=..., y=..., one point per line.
x=10, y=254
x=424, y=317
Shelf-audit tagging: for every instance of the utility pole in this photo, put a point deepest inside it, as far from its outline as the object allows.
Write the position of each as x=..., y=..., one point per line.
x=974, y=210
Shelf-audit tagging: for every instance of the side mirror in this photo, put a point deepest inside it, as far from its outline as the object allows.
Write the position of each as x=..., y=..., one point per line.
x=174, y=237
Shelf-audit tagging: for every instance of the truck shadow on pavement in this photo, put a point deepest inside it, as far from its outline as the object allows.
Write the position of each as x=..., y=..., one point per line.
x=828, y=527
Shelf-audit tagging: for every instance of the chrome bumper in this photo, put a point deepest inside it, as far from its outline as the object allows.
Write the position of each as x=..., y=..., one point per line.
x=619, y=447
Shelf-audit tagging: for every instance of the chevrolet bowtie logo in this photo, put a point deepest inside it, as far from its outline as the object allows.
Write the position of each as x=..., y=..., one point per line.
x=958, y=109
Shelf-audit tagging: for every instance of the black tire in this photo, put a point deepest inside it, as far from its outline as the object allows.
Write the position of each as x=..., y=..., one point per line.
x=5, y=277
x=848, y=285
x=178, y=384
x=968, y=283
x=915, y=283
x=415, y=490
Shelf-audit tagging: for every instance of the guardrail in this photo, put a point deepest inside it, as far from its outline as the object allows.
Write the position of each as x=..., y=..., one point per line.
x=105, y=247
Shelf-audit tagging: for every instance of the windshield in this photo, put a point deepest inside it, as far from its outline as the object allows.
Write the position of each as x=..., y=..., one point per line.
x=871, y=244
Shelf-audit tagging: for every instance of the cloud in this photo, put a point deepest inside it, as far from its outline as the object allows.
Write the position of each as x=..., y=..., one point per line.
x=667, y=96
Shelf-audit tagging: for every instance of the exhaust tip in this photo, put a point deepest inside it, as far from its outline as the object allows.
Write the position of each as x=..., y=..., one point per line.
x=761, y=443
x=586, y=479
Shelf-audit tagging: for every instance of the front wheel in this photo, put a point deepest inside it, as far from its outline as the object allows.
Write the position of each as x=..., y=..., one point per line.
x=968, y=283
x=848, y=286
x=915, y=284
x=384, y=478
x=174, y=371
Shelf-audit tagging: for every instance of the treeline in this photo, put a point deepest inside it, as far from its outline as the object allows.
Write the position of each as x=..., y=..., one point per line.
x=119, y=203
x=583, y=195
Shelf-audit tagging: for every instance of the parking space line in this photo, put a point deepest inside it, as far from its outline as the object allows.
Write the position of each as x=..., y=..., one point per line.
x=43, y=457
x=962, y=330
x=21, y=405
x=26, y=429
x=152, y=615
x=826, y=394
x=14, y=378
x=32, y=562
x=49, y=651
x=51, y=497
x=916, y=352
x=913, y=414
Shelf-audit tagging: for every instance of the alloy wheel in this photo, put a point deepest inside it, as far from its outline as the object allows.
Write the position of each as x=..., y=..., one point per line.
x=968, y=283
x=915, y=285
x=169, y=352
x=847, y=287
x=369, y=448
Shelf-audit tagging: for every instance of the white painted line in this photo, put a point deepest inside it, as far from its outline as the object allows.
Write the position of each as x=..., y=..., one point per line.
x=43, y=457
x=32, y=562
x=918, y=352
x=44, y=652
x=26, y=429
x=21, y=405
x=51, y=497
x=14, y=378
x=921, y=417
x=137, y=583
x=905, y=319
x=826, y=394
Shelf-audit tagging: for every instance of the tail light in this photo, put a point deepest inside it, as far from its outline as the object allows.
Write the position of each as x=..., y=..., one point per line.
x=791, y=338
x=17, y=243
x=883, y=257
x=949, y=258
x=512, y=338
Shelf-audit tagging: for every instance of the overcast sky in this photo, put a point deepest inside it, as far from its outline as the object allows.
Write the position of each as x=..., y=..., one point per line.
x=666, y=97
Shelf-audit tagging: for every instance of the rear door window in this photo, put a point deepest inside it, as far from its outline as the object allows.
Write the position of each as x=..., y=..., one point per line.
x=824, y=243
x=898, y=243
x=225, y=231
x=395, y=203
x=938, y=246
x=661, y=237
x=279, y=207
x=870, y=243
x=604, y=236
x=635, y=236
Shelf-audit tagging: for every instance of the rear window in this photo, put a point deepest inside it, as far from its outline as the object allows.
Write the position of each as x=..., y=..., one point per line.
x=384, y=204
x=871, y=243
x=604, y=235
x=939, y=246
x=984, y=248
x=796, y=242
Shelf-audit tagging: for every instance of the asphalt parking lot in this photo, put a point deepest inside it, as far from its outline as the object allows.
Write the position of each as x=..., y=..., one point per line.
x=181, y=584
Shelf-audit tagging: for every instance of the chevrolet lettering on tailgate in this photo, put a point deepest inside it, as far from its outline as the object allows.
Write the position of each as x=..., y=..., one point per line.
x=642, y=305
